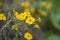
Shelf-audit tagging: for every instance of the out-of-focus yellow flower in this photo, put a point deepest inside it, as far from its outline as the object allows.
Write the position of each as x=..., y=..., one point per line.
x=15, y=27
x=27, y=10
x=36, y=26
x=28, y=39
x=44, y=3
x=25, y=4
x=30, y=20
x=2, y=17
x=39, y=19
x=43, y=13
x=22, y=4
x=29, y=16
x=0, y=3
x=33, y=10
x=47, y=5
x=28, y=36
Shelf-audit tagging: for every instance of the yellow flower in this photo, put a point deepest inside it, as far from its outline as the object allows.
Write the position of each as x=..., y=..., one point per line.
x=28, y=36
x=2, y=17
x=22, y=16
x=44, y=3
x=22, y=4
x=27, y=13
x=36, y=26
x=27, y=10
x=15, y=27
x=39, y=19
x=47, y=5
x=0, y=3
x=43, y=13
x=30, y=20
x=33, y=10
x=28, y=39
x=16, y=13
x=17, y=16
x=25, y=4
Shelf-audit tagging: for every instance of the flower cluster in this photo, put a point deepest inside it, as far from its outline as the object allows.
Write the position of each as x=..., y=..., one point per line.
x=25, y=16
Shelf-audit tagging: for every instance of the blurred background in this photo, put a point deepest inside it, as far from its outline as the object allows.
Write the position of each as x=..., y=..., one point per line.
x=48, y=10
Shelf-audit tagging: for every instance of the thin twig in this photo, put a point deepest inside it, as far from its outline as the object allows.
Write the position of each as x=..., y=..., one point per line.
x=9, y=33
x=19, y=33
x=6, y=24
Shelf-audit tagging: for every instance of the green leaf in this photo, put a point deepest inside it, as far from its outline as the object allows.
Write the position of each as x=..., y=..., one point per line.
x=53, y=37
x=55, y=19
